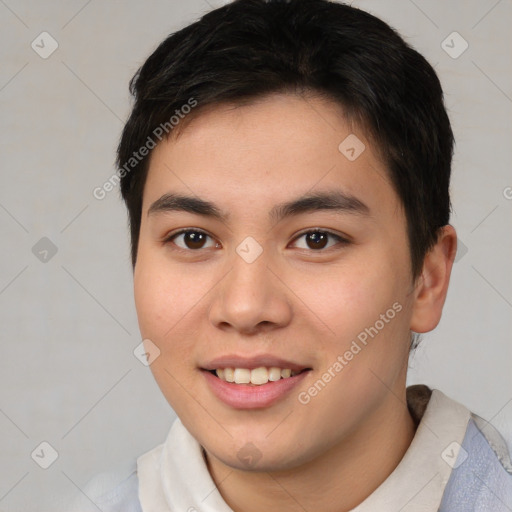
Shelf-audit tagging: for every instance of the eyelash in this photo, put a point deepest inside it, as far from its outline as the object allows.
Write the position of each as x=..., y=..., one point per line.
x=341, y=240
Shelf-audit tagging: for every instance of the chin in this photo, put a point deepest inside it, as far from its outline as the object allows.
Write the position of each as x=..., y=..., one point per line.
x=257, y=454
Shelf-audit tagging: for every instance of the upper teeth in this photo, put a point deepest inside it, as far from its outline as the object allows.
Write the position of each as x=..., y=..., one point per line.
x=256, y=376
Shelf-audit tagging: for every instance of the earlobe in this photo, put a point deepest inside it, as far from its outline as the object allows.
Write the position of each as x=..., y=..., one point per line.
x=431, y=286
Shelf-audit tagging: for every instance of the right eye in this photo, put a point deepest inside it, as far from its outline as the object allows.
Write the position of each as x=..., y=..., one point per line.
x=190, y=239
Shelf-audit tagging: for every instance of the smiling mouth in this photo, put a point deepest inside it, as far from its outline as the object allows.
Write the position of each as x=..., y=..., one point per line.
x=256, y=376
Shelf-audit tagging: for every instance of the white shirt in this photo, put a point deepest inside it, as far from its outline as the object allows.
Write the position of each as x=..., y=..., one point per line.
x=456, y=462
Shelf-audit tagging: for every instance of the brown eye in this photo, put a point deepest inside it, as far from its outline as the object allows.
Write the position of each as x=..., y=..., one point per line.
x=194, y=239
x=191, y=239
x=317, y=240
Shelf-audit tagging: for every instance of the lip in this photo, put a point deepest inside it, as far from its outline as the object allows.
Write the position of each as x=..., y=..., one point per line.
x=243, y=396
x=266, y=360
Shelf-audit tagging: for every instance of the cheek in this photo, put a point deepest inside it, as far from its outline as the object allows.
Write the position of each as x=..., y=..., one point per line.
x=366, y=309
x=350, y=299
x=361, y=361
x=152, y=300
x=162, y=297
x=170, y=299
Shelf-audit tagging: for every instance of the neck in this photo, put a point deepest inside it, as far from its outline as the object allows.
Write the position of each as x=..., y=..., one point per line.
x=337, y=480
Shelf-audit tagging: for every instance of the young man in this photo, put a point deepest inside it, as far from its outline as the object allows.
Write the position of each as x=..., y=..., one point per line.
x=286, y=170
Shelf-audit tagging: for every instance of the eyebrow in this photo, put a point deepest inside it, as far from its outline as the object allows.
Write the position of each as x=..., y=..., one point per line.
x=336, y=200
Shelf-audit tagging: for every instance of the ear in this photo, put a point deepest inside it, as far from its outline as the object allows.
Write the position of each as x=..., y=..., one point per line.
x=431, y=286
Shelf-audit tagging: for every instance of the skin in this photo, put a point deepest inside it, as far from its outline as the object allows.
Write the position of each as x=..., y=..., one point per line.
x=294, y=301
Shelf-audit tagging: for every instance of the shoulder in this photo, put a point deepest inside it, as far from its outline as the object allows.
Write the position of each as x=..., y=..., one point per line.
x=477, y=468
x=115, y=491
x=481, y=479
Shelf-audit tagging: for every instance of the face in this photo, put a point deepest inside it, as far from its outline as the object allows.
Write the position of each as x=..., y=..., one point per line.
x=248, y=274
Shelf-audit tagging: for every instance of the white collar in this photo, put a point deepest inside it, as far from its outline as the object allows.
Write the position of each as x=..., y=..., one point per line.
x=174, y=477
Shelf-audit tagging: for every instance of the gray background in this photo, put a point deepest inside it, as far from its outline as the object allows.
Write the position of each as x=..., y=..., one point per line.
x=68, y=373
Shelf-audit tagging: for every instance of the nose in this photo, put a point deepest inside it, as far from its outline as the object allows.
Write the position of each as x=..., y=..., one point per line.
x=251, y=298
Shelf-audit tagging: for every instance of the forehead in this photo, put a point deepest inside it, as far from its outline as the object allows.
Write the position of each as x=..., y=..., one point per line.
x=258, y=155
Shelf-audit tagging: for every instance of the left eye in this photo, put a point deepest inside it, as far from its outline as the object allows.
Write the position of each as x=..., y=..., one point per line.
x=319, y=239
